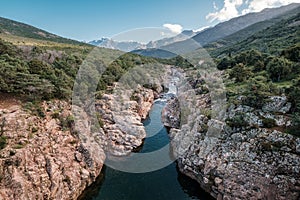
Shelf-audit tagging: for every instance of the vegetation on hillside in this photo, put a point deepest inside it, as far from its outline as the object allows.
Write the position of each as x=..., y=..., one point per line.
x=271, y=39
x=256, y=76
x=10, y=27
x=32, y=73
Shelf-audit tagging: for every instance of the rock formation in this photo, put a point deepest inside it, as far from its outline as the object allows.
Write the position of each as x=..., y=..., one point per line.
x=43, y=159
x=49, y=156
x=240, y=162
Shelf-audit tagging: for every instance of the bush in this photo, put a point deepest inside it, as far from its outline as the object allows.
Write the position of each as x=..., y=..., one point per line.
x=240, y=73
x=2, y=142
x=239, y=120
x=268, y=122
x=279, y=69
x=295, y=128
x=68, y=123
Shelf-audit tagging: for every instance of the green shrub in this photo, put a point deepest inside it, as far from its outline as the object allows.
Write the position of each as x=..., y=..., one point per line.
x=295, y=128
x=268, y=122
x=67, y=123
x=239, y=120
x=2, y=142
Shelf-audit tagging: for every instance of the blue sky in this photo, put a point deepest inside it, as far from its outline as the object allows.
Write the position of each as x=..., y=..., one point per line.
x=93, y=19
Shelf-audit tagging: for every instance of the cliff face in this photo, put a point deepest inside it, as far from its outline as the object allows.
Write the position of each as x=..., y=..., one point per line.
x=122, y=116
x=42, y=158
x=238, y=163
x=45, y=158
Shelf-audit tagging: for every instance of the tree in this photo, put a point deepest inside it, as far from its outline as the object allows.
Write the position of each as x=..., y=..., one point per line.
x=225, y=63
x=292, y=53
x=279, y=69
x=240, y=73
x=258, y=90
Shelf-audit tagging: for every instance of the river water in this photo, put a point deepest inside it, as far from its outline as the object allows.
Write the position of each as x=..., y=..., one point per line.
x=164, y=184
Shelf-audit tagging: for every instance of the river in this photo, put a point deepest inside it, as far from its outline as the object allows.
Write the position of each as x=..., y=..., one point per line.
x=164, y=184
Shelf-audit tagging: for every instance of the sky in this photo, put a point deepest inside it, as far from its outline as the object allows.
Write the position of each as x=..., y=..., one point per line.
x=93, y=19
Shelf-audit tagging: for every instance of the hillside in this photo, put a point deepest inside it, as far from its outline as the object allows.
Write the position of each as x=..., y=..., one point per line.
x=236, y=24
x=269, y=36
x=38, y=136
x=263, y=65
x=227, y=28
x=10, y=27
x=247, y=139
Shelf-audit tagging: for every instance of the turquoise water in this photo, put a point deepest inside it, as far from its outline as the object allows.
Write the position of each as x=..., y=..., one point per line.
x=164, y=184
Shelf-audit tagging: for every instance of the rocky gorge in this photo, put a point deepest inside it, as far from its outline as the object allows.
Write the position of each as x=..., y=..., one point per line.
x=49, y=154
x=47, y=151
x=230, y=160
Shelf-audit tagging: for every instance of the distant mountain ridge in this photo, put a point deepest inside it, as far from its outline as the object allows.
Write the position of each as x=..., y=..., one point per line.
x=236, y=24
x=112, y=44
x=243, y=27
x=284, y=27
x=135, y=46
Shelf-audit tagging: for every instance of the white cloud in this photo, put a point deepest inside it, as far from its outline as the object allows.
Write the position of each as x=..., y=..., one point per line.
x=229, y=11
x=232, y=8
x=175, y=28
x=259, y=5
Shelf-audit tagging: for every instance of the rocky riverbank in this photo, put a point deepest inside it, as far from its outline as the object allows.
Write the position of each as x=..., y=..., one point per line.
x=48, y=153
x=42, y=158
x=241, y=161
x=45, y=159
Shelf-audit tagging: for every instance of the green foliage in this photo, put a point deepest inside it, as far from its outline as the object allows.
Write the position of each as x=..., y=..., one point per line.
x=6, y=48
x=279, y=69
x=225, y=63
x=18, y=146
x=293, y=94
x=272, y=38
x=67, y=123
x=24, y=30
x=258, y=90
x=120, y=66
x=2, y=142
x=178, y=61
x=292, y=53
x=35, y=78
x=295, y=128
x=239, y=120
x=268, y=122
x=240, y=73
x=100, y=121
x=2, y=125
x=35, y=108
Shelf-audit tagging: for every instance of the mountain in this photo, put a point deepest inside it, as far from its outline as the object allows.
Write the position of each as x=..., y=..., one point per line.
x=236, y=24
x=233, y=30
x=139, y=47
x=284, y=28
x=112, y=44
x=273, y=39
x=98, y=42
x=184, y=35
x=232, y=26
x=13, y=28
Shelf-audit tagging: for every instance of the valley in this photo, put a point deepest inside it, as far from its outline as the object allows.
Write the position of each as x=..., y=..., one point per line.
x=217, y=112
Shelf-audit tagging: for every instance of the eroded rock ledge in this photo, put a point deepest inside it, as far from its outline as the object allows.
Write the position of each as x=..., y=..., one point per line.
x=49, y=156
x=239, y=163
x=43, y=159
